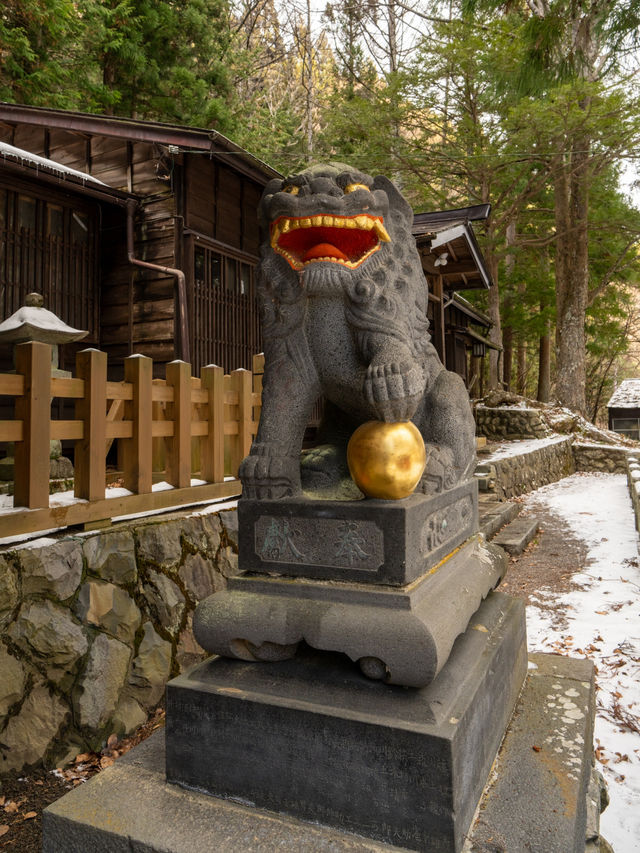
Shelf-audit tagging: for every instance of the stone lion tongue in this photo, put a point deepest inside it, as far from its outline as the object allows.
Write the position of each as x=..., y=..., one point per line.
x=324, y=250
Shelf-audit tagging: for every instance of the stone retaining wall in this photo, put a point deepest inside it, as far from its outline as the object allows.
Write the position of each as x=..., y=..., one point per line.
x=600, y=457
x=633, y=478
x=92, y=626
x=514, y=475
x=510, y=423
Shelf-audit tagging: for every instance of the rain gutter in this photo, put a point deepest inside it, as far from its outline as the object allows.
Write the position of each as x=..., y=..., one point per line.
x=181, y=282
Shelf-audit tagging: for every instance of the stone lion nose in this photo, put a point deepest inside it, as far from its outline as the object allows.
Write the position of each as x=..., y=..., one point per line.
x=325, y=186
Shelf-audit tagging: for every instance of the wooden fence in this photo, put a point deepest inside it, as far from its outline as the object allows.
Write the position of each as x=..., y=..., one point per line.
x=205, y=423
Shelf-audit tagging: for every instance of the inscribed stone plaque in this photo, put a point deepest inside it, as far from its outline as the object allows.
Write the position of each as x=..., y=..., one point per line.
x=331, y=542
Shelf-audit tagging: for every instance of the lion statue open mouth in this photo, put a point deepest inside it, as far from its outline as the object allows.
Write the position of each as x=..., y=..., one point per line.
x=344, y=309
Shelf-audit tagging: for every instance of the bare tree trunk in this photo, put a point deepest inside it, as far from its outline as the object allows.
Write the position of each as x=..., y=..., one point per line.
x=393, y=37
x=544, y=365
x=572, y=275
x=507, y=356
x=544, y=344
x=308, y=53
x=495, y=333
x=521, y=369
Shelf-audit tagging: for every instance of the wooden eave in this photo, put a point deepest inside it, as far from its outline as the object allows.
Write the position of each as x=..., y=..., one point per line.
x=477, y=317
x=197, y=140
x=449, y=233
x=66, y=183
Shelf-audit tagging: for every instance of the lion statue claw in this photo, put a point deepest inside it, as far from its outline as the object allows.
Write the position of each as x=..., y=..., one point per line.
x=344, y=309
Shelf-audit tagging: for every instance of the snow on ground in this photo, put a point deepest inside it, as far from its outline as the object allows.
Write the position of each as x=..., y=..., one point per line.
x=519, y=448
x=602, y=623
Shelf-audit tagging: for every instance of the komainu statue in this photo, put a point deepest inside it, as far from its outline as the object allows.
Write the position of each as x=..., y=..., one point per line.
x=344, y=303
x=393, y=580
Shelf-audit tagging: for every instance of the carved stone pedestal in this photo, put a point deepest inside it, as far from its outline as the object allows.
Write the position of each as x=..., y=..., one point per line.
x=312, y=738
x=401, y=634
x=390, y=584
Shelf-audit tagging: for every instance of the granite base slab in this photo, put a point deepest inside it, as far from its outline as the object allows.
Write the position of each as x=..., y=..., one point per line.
x=312, y=738
x=534, y=799
x=367, y=541
x=401, y=634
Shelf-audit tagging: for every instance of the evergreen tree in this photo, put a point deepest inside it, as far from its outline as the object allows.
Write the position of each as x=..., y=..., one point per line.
x=37, y=52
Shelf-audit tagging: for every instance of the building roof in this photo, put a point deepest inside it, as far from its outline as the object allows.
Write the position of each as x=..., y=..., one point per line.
x=194, y=139
x=626, y=395
x=459, y=260
x=20, y=162
x=479, y=318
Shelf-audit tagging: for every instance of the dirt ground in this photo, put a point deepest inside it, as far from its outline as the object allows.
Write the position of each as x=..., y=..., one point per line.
x=23, y=797
x=548, y=562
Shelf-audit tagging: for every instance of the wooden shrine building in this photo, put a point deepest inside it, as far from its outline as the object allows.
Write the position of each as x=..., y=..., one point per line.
x=452, y=261
x=624, y=409
x=142, y=232
x=146, y=234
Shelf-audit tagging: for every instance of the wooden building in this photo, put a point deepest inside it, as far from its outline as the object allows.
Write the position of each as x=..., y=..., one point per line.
x=452, y=261
x=146, y=234
x=624, y=409
x=142, y=232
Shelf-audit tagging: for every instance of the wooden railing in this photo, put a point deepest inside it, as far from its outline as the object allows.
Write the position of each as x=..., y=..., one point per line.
x=199, y=427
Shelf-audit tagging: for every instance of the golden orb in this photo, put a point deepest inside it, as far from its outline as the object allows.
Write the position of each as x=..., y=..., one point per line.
x=386, y=460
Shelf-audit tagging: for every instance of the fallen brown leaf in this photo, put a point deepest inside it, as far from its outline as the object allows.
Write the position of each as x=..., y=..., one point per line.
x=4, y=829
x=29, y=815
x=11, y=808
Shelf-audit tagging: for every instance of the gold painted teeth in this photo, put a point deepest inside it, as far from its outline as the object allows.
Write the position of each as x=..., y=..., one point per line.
x=363, y=223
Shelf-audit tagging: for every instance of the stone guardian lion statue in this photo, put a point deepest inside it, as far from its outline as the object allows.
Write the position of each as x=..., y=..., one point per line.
x=344, y=310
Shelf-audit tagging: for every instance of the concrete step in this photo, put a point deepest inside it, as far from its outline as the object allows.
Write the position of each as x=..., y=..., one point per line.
x=495, y=514
x=515, y=537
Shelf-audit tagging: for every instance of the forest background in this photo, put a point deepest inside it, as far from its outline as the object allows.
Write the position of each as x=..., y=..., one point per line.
x=532, y=105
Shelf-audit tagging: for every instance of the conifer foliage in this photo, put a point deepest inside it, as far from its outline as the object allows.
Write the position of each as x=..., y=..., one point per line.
x=534, y=107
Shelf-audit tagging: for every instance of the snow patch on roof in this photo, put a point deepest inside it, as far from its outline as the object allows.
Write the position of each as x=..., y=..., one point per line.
x=26, y=158
x=626, y=395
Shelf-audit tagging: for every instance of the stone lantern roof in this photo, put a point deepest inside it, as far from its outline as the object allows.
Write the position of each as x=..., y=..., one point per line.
x=32, y=322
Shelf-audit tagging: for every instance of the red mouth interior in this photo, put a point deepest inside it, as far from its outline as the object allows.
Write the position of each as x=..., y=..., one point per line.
x=326, y=242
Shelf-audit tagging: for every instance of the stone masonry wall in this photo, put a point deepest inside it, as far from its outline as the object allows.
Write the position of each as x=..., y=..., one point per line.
x=633, y=479
x=600, y=457
x=92, y=626
x=517, y=474
x=500, y=424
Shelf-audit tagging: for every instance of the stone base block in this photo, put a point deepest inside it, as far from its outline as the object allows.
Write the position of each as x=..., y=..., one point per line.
x=402, y=635
x=312, y=738
x=534, y=799
x=368, y=541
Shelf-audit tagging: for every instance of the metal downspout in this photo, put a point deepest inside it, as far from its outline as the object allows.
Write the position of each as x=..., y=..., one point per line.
x=183, y=326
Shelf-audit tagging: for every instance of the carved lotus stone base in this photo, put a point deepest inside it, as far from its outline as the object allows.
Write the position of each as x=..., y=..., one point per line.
x=402, y=634
x=367, y=541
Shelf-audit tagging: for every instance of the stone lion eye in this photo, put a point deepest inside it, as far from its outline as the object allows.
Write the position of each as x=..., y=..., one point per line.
x=353, y=187
x=291, y=190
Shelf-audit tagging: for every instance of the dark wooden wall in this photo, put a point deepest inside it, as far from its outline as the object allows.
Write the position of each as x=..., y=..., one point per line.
x=190, y=203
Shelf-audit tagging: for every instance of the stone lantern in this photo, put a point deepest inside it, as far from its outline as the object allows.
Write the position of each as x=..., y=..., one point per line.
x=33, y=322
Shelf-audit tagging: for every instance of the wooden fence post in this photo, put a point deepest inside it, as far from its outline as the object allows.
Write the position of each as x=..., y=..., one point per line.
x=212, y=449
x=159, y=451
x=179, y=451
x=90, y=462
x=31, y=470
x=241, y=382
x=136, y=451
